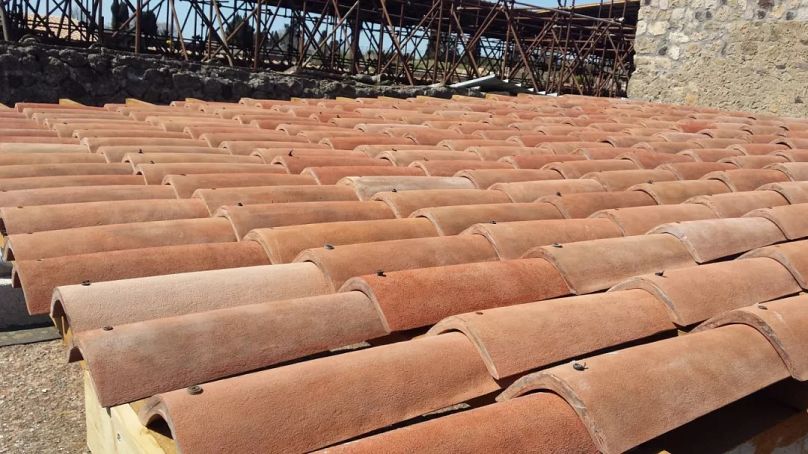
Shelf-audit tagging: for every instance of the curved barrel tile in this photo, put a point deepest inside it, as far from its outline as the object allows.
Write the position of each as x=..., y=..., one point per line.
x=403, y=158
x=340, y=263
x=283, y=244
x=792, y=255
x=753, y=162
x=215, y=198
x=538, y=161
x=39, y=218
x=366, y=187
x=79, y=194
x=784, y=322
x=516, y=339
x=672, y=192
x=39, y=277
x=540, y=423
x=737, y=204
x=404, y=203
x=484, y=178
x=62, y=169
x=712, y=155
x=589, y=266
x=585, y=204
x=646, y=159
x=795, y=171
x=185, y=185
x=448, y=168
x=639, y=220
x=155, y=173
x=620, y=180
x=530, y=191
x=355, y=393
x=8, y=159
x=333, y=174
x=452, y=220
x=793, y=191
x=747, y=179
x=712, y=239
x=577, y=169
x=134, y=159
x=86, y=307
x=68, y=182
x=420, y=297
x=512, y=240
x=117, y=237
x=295, y=164
x=792, y=219
x=630, y=396
x=695, y=294
x=138, y=360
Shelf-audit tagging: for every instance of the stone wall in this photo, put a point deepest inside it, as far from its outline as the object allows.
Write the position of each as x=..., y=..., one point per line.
x=41, y=73
x=731, y=54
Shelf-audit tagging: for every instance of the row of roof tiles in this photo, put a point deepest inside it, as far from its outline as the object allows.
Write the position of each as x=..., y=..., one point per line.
x=502, y=203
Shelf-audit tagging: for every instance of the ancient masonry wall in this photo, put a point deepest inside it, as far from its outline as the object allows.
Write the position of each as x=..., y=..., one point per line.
x=731, y=54
x=41, y=73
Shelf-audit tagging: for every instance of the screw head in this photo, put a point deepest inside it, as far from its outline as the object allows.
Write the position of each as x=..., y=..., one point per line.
x=578, y=366
x=765, y=308
x=194, y=390
x=85, y=283
x=107, y=328
x=380, y=273
x=558, y=245
x=328, y=246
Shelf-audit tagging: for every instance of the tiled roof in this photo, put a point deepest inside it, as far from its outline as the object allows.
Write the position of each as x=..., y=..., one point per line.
x=560, y=274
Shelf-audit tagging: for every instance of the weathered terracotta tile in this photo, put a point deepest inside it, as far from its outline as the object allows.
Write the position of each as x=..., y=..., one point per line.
x=408, y=379
x=534, y=140
x=405, y=203
x=451, y=220
x=404, y=158
x=330, y=175
x=265, y=194
x=793, y=191
x=672, y=192
x=112, y=303
x=34, y=159
x=584, y=204
x=753, y=162
x=76, y=194
x=620, y=180
x=747, y=179
x=710, y=154
x=577, y=169
x=667, y=147
x=695, y=294
x=639, y=220
x=67, y=182
x=340, y=263
x=791, y=255
x=155, y=173
x=539, y=161
x=93, y=143
x=464, y=287
x=441, y=168
x=247, y=147
x=737, y=204
x=712, y=239
x=793, y=155
x=645, y=159
x=265, y=215
x=541, y=423
x=484, y=178
x=39, y=277
x=351, y=142
x=784, y=323
x=496, y=152
x=529, y=191
x=283, y=244
x=795, y=171
x=516, y=339
x=186, y=185
x=789, y=218
x=614, y=393
x=367, y=187
x=757, y=149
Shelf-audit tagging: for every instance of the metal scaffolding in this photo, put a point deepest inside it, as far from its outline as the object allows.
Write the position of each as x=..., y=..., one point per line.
x=571, y=49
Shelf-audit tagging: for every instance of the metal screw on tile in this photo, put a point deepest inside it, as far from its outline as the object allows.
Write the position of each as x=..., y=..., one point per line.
x=107, y=328
x=479, y=313
x=380, y=273
x=151, y=162
x=558, y=193
x=240, y=204
x=660, y=273
x=650, y=181
x=194, y=390
x=765, y=308
x=19, y=207
x=578, y=366
x=558, y=245
x=328, y=246
x=493, y=222
x=85, y=283
x=395, y=190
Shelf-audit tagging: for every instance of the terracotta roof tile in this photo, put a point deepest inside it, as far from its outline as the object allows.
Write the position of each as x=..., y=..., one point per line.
x=368, y=186
x=464, y=287
x=540, y=423
x=622, y=140
x=568, y=147
x=747, y=179
x=667, y=147
x=218, y=197
x=722, y=366
x=645, y=159
x=753, y=162
x=795, y=171
x=581, y=205
x=68, y=181
x=641, y=219
x=76, y=194
x=294, y=164
x=697, y=293
x=789, y=218
x=713, y=239
x=117, y=153
x=794, y=155
x=247, y=147
x=495, y=152
x=164, y=158
x=39, y=277
x=576, y=169
x=154, y=173
x=113, y=303
x=268, y=154
x=516, y=339
x=186, y=185
x=116, y=237
x=784, y=323
x=484, y=178
x=529, y=191
x=757, y=149
x=539, y=161
x=448, y=168
x=93, y=143
x=283, y=244
x=710, y=154
x=404, y=158
x=42, y=148
x=249, y=217
x=451, y=220
x=534, y=140
x=736, y=204
x=620, y=180
x=409, y=379
x=791, y=255
x=56, y=170
x=405, y=203
x=593, y=265
x=150, y=355
x=672, y=192
x=512, y=240
x=351, y=142
x=330, y=175
x=20, y=158
x=341, y=263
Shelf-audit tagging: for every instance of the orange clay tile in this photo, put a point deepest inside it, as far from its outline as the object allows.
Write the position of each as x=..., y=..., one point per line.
x=672, y=192
x=451, y=220
x=620, y=180
x=581, y=205
x=529, y=191
x=186, y=185
x=737, y=204
x=405, y=202
x=791, y=255
x=639, y=220
x=253, y=195
x=539, y=161
x=789, y=218
x=366, y=187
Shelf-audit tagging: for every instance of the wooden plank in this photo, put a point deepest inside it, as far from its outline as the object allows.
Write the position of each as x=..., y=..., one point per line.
x=137, y=102
x=69, y=102
x=100, y=434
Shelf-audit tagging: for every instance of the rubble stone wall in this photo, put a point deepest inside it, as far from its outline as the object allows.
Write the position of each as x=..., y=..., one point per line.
x=42, y=73
x=730, y=54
